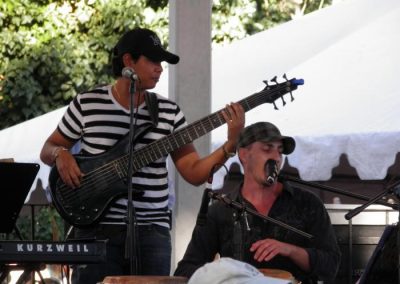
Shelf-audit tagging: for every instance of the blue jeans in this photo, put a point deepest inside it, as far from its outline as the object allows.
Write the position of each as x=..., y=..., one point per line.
x=154, y=253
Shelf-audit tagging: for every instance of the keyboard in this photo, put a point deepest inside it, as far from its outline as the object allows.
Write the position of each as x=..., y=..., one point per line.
x=70, y=252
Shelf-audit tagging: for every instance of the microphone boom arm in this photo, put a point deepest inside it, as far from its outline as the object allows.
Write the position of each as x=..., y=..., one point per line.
x=335, y=190
x=244, y=208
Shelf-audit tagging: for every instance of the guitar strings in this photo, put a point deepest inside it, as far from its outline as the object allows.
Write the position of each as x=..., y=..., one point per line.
x=109, y=173
x=104, y=172
x=192, y=130
x=204, y=123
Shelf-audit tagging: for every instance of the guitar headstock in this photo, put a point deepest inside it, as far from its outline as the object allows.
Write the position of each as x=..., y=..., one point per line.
x=278, y=90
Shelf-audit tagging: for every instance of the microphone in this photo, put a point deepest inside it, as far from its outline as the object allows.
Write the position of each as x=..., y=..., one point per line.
x=129, y=73
x=271, y=171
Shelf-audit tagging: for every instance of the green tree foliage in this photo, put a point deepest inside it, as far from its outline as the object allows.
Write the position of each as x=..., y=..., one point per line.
x=235, y=19
x=52, y=49
x=48, y=226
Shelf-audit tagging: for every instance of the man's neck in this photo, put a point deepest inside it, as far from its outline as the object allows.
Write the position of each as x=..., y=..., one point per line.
x=262, y=197
x=121, y=88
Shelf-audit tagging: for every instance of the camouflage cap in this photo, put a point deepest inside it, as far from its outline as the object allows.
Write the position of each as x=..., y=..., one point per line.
x=265, y=132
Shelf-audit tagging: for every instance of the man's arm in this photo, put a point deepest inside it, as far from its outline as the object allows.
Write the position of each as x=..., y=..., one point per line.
x=267, y=249
x=196, y=170
x=55, y=152
x=321, y=258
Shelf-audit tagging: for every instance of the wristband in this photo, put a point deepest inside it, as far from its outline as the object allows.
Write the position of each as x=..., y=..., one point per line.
x=56, y=152
x=226, y=153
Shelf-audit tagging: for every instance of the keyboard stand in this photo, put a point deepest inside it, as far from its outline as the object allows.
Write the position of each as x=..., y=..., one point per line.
x=28, y=270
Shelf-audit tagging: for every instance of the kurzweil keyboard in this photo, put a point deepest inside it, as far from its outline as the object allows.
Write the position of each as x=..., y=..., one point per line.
x=69, y=252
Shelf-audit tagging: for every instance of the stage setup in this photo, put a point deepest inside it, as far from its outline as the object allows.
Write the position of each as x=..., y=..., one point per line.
x=345, y=121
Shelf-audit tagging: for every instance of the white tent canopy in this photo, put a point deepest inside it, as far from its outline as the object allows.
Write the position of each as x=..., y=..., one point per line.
x=23, y=142
x=348, y=55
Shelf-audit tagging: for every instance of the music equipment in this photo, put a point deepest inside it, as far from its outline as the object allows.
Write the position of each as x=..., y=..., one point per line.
x=271, y=171
x=72, y=252
x=17, y=179
x=128, y=72
x=383, y=267
x=105, y=174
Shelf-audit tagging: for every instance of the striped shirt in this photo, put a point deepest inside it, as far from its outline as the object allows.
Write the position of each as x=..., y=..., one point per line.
x=99, y=122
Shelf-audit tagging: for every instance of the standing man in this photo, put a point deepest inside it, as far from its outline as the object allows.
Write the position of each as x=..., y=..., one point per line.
x=100, y=118
x=261, y=243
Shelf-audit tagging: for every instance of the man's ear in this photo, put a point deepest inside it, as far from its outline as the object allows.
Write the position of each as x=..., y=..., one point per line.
x=242, y=154
x=127, y=60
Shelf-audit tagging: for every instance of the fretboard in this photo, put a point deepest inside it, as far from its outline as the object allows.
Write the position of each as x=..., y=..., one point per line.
x=191, y=132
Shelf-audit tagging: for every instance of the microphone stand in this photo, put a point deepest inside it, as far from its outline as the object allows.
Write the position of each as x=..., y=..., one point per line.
x=336, y=190
x=359, y=209
x=243, y=208
x=131, y=244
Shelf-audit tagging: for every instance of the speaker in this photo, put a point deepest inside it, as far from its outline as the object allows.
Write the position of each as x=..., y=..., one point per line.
x=383, y=265
x=357, y=253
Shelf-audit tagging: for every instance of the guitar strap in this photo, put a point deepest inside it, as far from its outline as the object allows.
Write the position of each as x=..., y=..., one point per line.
x=152, y=105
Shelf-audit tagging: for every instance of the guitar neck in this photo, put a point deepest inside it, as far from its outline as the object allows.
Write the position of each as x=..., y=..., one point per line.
x=189, y=133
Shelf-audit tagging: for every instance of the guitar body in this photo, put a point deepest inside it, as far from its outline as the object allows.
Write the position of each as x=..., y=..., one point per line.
x=103, y=182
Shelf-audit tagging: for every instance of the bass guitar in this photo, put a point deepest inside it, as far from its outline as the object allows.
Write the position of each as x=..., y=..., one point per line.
x=106, y=174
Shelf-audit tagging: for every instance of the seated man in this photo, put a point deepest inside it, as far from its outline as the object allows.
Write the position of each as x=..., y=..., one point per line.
x=242, y=236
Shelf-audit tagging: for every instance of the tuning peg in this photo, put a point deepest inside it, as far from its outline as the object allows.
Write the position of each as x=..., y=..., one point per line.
x=276, y=82
x=291, y=96
x=283, y=101
x=266, y=83
x=290, y=92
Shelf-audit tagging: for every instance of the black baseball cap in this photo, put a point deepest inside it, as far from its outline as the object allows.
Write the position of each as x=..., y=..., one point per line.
x=141, y=41
x=265, y=132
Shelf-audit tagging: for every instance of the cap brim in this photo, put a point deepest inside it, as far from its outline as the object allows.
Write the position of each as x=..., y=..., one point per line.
x=160, y=55
x=171, y=58
x=288, y=143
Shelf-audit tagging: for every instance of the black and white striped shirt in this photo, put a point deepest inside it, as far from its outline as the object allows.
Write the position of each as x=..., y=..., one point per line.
x=99, y=122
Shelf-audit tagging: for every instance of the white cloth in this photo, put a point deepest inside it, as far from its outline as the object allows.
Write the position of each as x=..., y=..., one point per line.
x=229, y=271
